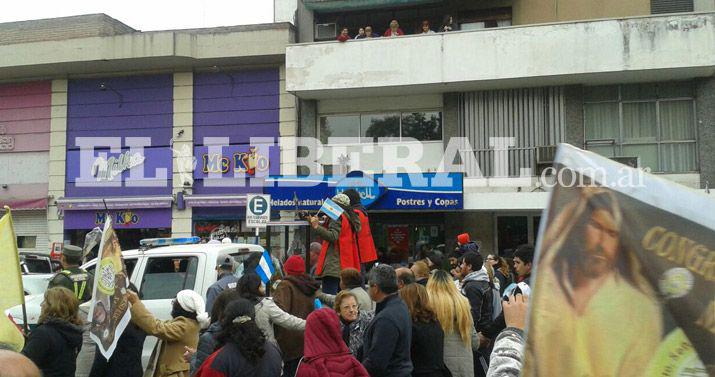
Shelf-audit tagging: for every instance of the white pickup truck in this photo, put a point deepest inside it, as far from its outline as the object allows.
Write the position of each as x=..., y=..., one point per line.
x=159, y=274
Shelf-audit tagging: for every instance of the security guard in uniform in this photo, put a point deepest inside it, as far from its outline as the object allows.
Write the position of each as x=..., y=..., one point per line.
x=72, y=277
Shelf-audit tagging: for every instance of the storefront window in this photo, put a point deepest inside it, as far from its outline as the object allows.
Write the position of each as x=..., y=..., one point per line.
x=128, y=238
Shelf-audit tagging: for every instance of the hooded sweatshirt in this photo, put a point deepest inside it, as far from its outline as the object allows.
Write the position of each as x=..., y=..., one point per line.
x=326, y=355
x=53, y=346
x=478, y=290
x=296, y=296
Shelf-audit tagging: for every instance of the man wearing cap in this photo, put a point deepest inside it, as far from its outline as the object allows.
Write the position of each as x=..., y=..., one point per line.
x=72, y=277
x=225, y=279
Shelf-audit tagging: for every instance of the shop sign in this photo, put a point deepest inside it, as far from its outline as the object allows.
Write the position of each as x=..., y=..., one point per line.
x=402, y=191
x=119, y=218
x=368, y=188
x=241, y=162
x=107, y=169
x=7, y=142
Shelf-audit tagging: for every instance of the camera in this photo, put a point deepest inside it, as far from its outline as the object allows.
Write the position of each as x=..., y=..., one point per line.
x=303, y=215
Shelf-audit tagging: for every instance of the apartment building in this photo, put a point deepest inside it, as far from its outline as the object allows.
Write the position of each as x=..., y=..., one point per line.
x=629, y=80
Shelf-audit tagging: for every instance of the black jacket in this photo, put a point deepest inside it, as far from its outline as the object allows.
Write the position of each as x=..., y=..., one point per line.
x=229, y=362
x=126, y=361
x=479, y=294
x=428, y=350
x=53, y=346
x=386, y=349
x=207, y=345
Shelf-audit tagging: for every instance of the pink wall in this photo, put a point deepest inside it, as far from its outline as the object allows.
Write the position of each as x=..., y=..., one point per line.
x=25, y=110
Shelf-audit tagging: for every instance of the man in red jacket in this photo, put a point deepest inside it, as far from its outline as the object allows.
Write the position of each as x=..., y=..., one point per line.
x=366, y=245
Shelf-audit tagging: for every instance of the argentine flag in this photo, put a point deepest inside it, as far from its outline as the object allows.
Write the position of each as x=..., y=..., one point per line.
x=265, y=267
x=332, y=209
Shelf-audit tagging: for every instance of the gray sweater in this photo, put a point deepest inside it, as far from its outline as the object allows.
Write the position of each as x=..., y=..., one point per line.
x=508, y=354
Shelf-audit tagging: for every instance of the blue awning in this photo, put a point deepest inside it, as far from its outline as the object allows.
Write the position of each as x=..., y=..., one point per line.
x=350, y=5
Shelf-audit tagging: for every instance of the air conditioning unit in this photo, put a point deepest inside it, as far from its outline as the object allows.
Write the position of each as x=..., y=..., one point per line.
x=634, y=162
x=545, y=156
x=325, y=32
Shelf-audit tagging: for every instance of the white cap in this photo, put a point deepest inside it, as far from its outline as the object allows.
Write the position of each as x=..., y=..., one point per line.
x=226, y=240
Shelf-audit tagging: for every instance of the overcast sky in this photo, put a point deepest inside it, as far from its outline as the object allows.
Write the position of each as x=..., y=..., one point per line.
x=148, y=14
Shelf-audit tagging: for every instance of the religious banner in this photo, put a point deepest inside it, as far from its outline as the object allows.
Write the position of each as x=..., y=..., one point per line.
x=109, y=314
x=624, y=276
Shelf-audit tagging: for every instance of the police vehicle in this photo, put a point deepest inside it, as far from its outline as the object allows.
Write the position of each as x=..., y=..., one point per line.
x=160, y=268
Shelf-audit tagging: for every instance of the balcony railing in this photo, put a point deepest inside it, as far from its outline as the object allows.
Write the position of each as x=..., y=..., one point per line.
x=660, y=48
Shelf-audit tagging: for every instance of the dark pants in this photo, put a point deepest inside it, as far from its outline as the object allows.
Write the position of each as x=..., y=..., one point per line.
x=331, y=285
x=290, y=367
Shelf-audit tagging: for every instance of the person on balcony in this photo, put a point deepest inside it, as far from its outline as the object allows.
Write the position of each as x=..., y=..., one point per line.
x=361, y=34
x=394, y=30
x=426, y=28
x=369, y=33
x=448, y=24
x=344, y=35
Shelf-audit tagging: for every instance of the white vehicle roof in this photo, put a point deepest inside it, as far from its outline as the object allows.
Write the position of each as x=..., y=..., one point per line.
x=212, y=251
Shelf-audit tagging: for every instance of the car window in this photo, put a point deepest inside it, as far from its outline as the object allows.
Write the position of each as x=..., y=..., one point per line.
x=164, y=277
x=38, y=266
x=130, y=264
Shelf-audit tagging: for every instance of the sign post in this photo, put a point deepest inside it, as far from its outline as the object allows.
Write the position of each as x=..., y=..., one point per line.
x=258, y=212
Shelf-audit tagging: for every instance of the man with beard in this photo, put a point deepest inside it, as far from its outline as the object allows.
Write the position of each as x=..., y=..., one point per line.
x=594, y=314
x=295, y=294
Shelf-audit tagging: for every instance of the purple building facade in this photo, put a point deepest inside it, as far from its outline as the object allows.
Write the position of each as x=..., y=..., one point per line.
x=119, y=157
x=119, y=152
x=236, y=130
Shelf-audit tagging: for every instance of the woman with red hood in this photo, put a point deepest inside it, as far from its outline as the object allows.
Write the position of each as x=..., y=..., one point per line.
x=326, y=355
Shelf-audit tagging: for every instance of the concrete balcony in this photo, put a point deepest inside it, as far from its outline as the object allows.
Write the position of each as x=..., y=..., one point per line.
x=652, y=48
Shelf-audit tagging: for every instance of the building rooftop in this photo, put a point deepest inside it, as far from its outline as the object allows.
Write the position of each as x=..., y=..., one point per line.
x=53, y=29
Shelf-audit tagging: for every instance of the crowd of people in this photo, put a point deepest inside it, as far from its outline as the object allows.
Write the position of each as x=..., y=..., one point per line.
x=346, y=316
x=394, y=30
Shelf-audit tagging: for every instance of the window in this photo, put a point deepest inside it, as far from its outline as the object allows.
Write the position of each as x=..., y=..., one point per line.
x=26, y=242
x=421, y=125
x=655, y=122
x=166, y=276
x=129, y=264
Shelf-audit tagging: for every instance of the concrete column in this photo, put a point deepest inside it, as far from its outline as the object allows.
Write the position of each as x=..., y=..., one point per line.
x=308, y=126
x=573, y=116
x=288, y=127
x=705, y=119
x=58, y=153
x=183, y=150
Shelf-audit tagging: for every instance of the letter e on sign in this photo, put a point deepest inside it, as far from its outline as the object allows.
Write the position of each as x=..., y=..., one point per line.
x=258, y=210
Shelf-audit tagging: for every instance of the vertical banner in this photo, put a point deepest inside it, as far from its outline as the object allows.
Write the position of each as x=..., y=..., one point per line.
x=11, y=293
x=398, y=242
x=109, y=313
x=624, y=280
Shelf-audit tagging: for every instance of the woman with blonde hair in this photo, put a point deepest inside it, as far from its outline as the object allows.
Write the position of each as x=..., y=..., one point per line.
x=427, y=348
x=454, y=315
x=53, y=346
